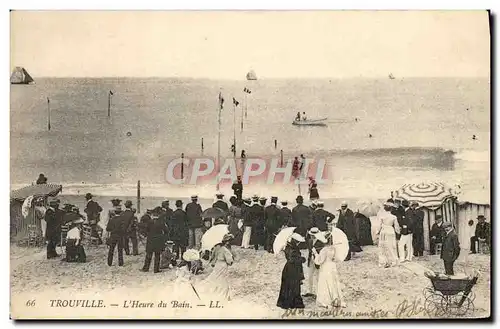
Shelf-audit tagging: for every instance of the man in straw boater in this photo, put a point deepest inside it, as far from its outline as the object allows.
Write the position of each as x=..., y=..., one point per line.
x=129, y=222
x=347, y=224
x=416, y=217
x=74, y=248
x=313, y=243
x=273, y=223
x=155, y=244
x=116, y=232
x=259, y=224
x=179, y=231
x=247, y=222
x=52, y=233
x=93, y=211
x=321, y=218
x=220, y=203
x=195, y=222
x=451, y=248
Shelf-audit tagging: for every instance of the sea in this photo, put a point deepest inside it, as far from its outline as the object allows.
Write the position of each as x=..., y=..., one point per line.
x=421, y=131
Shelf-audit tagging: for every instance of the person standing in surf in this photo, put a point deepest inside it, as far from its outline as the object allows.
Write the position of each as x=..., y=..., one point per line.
x=313, y=189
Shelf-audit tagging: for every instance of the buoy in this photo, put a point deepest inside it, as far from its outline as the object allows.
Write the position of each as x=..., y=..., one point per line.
x=129, y=134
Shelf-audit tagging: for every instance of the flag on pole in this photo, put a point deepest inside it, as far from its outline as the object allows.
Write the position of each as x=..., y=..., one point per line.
x=111, y=93
x=235, y=102
x=221, y=101
x=246, y=90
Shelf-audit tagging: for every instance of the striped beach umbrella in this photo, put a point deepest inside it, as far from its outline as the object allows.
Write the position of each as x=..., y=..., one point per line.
x=429, y=195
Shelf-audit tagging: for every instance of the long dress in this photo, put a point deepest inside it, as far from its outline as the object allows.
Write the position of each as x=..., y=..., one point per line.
x=216, y=284
x=183, y=290
x=234, y=218
x=329, y=287
x=291, y=279
x=387, y=254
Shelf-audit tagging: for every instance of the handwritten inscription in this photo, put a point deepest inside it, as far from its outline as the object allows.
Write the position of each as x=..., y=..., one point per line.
x=405, y=309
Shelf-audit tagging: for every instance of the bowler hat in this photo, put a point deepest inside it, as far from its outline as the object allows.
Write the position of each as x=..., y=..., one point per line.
x=88, y=196
x=299, y=198
x=116, y=202
x=178, y=203
x=481, y=217
x=128, y=204
x=284, y=203
x=274, y=199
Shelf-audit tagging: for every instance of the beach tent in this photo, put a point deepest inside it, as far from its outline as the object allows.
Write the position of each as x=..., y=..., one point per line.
x=18, y=222
x=20, y=76
x=471, y=205
x=434, y=199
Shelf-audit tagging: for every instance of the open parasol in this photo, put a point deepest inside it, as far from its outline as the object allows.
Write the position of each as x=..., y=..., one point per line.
x=368, y=207
x=282, y=238
x=340, y=243
x=213, y=213
x=213, y=236
x=429, y=195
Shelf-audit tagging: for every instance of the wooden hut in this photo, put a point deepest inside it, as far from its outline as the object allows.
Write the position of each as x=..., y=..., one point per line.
x=18, y=223
x=436, y=199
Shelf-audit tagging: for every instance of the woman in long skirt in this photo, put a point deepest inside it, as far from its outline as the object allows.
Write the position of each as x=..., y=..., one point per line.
x=235, y=221
x=387, y=254
x=292, y=275
x=216, y=284
x=329, y=288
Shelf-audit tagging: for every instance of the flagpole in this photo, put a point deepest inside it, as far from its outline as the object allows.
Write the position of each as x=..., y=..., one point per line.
x=234, y=130
x=218, y=151
x=48, y=113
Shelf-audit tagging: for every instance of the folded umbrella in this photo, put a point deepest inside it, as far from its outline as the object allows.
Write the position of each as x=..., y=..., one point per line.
x=213, y=236
x=282, y=238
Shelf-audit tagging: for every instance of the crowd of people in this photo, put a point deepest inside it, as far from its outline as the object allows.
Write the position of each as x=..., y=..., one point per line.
x=173, y=238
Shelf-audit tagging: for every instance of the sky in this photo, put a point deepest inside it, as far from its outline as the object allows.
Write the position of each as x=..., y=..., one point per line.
x=225, y=45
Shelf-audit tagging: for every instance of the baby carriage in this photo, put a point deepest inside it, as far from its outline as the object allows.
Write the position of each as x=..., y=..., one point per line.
x=449, y=296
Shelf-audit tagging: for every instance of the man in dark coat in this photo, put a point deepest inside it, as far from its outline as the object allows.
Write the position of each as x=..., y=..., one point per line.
x=273, y=223
x=144, y=222
x=258, y=220
x=451, y=248
x=195, y=222
x=179, y=230
x=41, y=179
x=116, y=231
x=321, y=217
x=247, y=222
x=52, y=232
x=238, y=188
x=405, y=245
x=93, y=211
x=347, y=224
x=416, y=217
x=301, y=216
x=285, y=214
x=399, y=211
x=220, y=203
x=483, y=232
x=130, y=231
x=156, y=232
x=437, y=233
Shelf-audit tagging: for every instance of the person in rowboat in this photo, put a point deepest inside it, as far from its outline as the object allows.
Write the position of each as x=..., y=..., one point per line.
x=297, y=118
x=304, y=118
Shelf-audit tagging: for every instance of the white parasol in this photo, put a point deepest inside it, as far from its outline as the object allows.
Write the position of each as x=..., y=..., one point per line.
x=213, y=236
x=26, y=206
x=340, y=243
x=282, y=238
x=369, y=207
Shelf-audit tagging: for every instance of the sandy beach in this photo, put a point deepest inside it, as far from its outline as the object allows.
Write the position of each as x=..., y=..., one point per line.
x=254, y=280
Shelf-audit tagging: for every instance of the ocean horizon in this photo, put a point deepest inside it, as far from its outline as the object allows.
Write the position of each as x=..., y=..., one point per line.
x=421, y=130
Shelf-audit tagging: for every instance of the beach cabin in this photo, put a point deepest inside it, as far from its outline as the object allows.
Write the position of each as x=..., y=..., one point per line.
x=29, y=219
x=457, y=208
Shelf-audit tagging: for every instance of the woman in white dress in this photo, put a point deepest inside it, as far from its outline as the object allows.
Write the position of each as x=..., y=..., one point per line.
x=387, y=254
x=216, y=284
x=329, y=288
x=183, y=287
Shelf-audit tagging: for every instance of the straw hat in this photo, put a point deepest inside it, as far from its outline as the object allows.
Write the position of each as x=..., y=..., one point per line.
x=191, y=255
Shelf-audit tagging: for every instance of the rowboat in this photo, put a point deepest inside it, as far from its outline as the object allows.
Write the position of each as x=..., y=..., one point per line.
x=316, y=122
